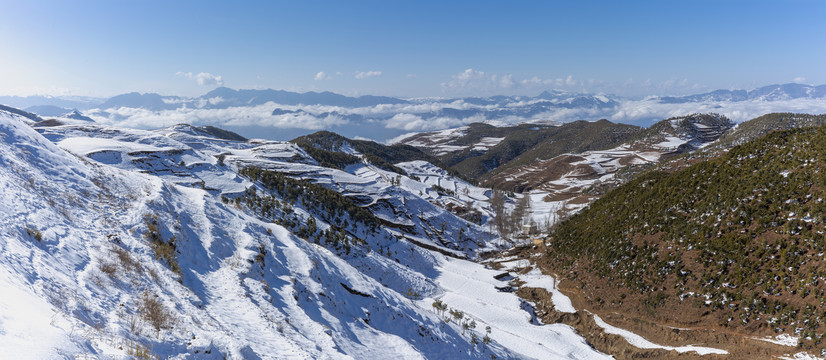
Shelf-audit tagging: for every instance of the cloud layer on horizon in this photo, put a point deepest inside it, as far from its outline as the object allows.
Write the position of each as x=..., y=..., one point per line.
x=429, y=115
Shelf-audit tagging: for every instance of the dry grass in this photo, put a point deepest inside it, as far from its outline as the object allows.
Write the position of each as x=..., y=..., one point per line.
x=34, y=233
x=127, y=262
x=140, y=351
x=163, y=249
x=154, y=312
x=109, y=268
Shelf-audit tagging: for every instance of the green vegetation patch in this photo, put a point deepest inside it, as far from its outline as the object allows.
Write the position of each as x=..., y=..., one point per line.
x=744, y=230
x=342, y=213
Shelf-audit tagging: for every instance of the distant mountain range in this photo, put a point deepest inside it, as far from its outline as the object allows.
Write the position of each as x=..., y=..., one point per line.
x=224, y=97
x=280, y=114
x=67, y=102
x=765, y=93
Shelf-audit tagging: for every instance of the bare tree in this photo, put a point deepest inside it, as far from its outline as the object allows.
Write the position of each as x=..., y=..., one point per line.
x=519, y=212
x=497, y=204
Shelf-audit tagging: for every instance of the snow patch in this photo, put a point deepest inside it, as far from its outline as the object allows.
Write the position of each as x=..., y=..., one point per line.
x=537, y=279
x=642, y=343
x=782, y=339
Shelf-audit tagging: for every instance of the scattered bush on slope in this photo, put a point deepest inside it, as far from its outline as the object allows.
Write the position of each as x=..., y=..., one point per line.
x=744, y=231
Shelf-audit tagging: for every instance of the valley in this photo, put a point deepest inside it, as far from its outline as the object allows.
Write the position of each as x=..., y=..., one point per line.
x=440, y=180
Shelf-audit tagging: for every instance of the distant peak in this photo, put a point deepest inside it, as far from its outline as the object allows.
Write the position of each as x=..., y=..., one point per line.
x=77, y=115
x=207, y=130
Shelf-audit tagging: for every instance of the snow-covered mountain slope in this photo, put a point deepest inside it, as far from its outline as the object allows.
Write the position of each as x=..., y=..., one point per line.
x=474, y=138
x=479, y=151
x=127, y=242
x=566, y=183
x=444, y=142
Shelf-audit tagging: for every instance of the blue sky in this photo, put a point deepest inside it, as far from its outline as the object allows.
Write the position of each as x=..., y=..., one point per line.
x=400, y=48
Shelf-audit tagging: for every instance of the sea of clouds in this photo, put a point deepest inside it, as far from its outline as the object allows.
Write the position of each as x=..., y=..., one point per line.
x=386, y=121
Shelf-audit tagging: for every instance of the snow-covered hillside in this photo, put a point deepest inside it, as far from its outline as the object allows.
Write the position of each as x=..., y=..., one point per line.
x=565, y=184
x=124, y=243
x=444, y=142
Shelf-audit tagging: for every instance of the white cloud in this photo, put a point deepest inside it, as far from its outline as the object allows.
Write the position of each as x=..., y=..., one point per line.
x=321, y=76
x=260, y=115
x=800, y=80
x=203, y=78
x=480, y=82
x=404, y=121
x=471, y=79
x=472, y=82
x=413, y=122
x=506, y=81
x=367, y=74
x=410, y=122
x=631, y=111
x=535, y=81
x=469, y=74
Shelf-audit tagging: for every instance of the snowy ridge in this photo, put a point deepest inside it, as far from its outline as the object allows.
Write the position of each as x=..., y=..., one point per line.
x=439, y=142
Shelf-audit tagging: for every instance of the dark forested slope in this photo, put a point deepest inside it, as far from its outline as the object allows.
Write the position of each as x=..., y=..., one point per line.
x=737, y=241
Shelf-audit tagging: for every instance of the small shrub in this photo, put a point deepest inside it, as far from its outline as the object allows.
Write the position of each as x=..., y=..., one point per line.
x=439, y=306
x=140, y=351
x=108, y=268
x=165, y=250
x=126, y=260
x=98, y=280
x=34, y=233
x=412, y=294
x=153, y=311
x=261, y=256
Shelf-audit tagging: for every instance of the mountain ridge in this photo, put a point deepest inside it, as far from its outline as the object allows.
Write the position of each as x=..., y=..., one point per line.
x=769, y=92
x=259, y=96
